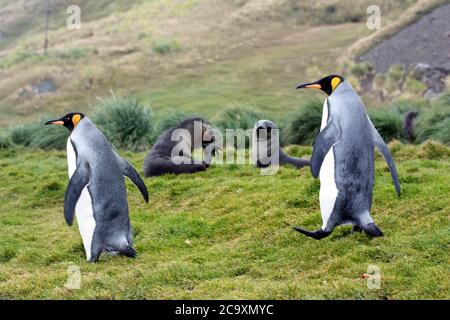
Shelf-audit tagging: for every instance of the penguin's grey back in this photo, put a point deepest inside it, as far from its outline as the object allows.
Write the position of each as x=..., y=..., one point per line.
x=354, y=153
x=106, y=181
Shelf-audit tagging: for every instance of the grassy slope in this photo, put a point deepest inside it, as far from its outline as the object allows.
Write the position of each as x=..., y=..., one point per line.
x=249, y=53
x=240, y=227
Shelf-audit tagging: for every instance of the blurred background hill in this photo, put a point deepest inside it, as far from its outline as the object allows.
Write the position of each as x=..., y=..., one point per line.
x=210, y=57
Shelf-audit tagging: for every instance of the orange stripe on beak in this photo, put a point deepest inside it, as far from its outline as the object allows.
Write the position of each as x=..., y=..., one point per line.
x=58, y=122
x=313, y=86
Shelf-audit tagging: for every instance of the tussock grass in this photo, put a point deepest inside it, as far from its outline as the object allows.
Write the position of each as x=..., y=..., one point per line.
x=169, y=119
x=5, y=141
x=238, y=118
x=302, y=125
x=130, y=125
x=210, y=235
x=165, y=46
x=389, y=120
x=36, y=135
x=434, y=123
x=429, y=150
x=126, y=123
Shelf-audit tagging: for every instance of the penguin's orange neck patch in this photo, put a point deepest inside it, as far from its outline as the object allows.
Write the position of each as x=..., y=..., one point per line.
x=335, y=82
x=75, y=119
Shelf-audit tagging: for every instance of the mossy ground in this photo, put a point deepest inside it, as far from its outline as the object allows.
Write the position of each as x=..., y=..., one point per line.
x=227, y=233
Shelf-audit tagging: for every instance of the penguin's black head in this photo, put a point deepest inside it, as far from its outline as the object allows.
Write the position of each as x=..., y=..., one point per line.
x=70, y=120
x=327, y=84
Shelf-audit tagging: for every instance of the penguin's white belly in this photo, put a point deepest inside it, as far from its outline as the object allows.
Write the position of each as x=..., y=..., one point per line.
x=83, y=209
x=328, y=189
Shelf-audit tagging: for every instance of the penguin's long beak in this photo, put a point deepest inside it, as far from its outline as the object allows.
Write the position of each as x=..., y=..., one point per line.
x=58, y=122
x=309, y=85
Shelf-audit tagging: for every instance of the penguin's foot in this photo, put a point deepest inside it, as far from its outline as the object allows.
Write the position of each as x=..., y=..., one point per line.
x=318, y=234
x=356, y=229
x=94, y=259
x=128, y=251
x=95, y=253
x=372, y=230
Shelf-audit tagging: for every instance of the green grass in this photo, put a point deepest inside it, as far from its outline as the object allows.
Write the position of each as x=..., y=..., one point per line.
x=126, y=123
x=165, y=46
x=225, y=233
x=239, y=226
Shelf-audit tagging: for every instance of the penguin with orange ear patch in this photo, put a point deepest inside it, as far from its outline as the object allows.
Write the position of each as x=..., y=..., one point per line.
x=96, y=192
x=343, y=159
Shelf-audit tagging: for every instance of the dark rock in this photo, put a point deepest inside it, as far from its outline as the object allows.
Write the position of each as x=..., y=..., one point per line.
x=432, y=77
x=424, y=41
x=44, y=86
x=40, y=88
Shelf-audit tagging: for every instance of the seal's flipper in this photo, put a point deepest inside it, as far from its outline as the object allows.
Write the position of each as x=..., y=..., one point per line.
x=296, y=162
x=327, y=138
x=129, y=171
x=78, y=181
x=378, y=141
x=372, y=230
x=318, y=234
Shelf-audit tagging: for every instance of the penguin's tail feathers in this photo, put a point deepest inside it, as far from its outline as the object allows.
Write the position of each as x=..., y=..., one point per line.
x=128, y=251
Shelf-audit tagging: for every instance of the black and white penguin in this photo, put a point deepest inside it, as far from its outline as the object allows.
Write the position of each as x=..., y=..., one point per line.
x=343, y=158
x=96, y=190
x=266, y=147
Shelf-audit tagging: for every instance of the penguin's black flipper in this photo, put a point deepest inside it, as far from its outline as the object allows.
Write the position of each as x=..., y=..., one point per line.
x=318, y=234
x=78, y=181
x=327, y=138
x=129, y=171
x=378, y=141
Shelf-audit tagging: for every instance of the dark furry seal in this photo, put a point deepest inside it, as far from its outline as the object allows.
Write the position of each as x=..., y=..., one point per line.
x=408, y=125
x=159, y=161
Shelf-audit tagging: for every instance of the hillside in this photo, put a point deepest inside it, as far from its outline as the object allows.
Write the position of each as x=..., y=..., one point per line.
x=138, y=66
x=420, y=42
x=199, y=56
x=227, y=234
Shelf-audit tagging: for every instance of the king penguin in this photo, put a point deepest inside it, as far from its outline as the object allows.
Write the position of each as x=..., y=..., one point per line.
x=96, y=190
x=343, y=159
